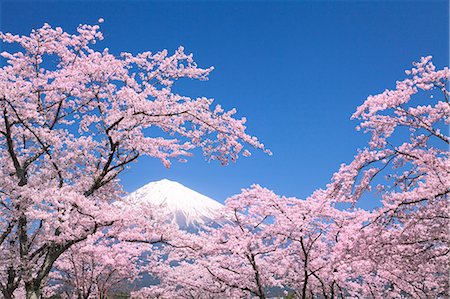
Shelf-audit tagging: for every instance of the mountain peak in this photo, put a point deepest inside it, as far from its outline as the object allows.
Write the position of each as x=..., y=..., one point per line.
x=186, y=207
x=165, y=181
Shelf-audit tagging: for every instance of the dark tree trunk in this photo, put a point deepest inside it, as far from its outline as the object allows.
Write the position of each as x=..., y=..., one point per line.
x=32, y=292
x=8, y=294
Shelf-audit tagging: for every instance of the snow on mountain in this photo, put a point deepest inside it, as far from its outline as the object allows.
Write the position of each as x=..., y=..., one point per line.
x=186, y=208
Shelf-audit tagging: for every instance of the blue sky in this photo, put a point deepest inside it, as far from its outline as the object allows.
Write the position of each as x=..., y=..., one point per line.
x=296, y=70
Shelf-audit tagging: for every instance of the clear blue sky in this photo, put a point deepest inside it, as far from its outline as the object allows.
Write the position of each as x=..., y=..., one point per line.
x=296, y=70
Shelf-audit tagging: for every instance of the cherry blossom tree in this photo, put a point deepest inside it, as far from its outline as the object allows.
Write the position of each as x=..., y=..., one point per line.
x=310, y=264
x=237, y=255
x=72, y=119
x=182, y=278
x=114, y=258
x=404, y=246
x=275, y=243
x=94, y=268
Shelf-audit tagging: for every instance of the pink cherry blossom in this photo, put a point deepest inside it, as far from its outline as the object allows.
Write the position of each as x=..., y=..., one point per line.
x=314, y=248
x=73, y=117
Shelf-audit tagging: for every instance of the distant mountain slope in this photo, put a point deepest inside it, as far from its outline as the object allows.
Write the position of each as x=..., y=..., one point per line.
x=187, y=208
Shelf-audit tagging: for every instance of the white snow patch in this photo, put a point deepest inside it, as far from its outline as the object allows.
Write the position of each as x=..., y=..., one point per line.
x=186, y=207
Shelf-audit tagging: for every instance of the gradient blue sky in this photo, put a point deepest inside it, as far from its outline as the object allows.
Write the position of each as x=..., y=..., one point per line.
x=296, y=70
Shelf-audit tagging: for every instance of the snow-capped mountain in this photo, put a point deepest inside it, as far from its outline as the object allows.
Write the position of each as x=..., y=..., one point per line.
x=185, y=207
